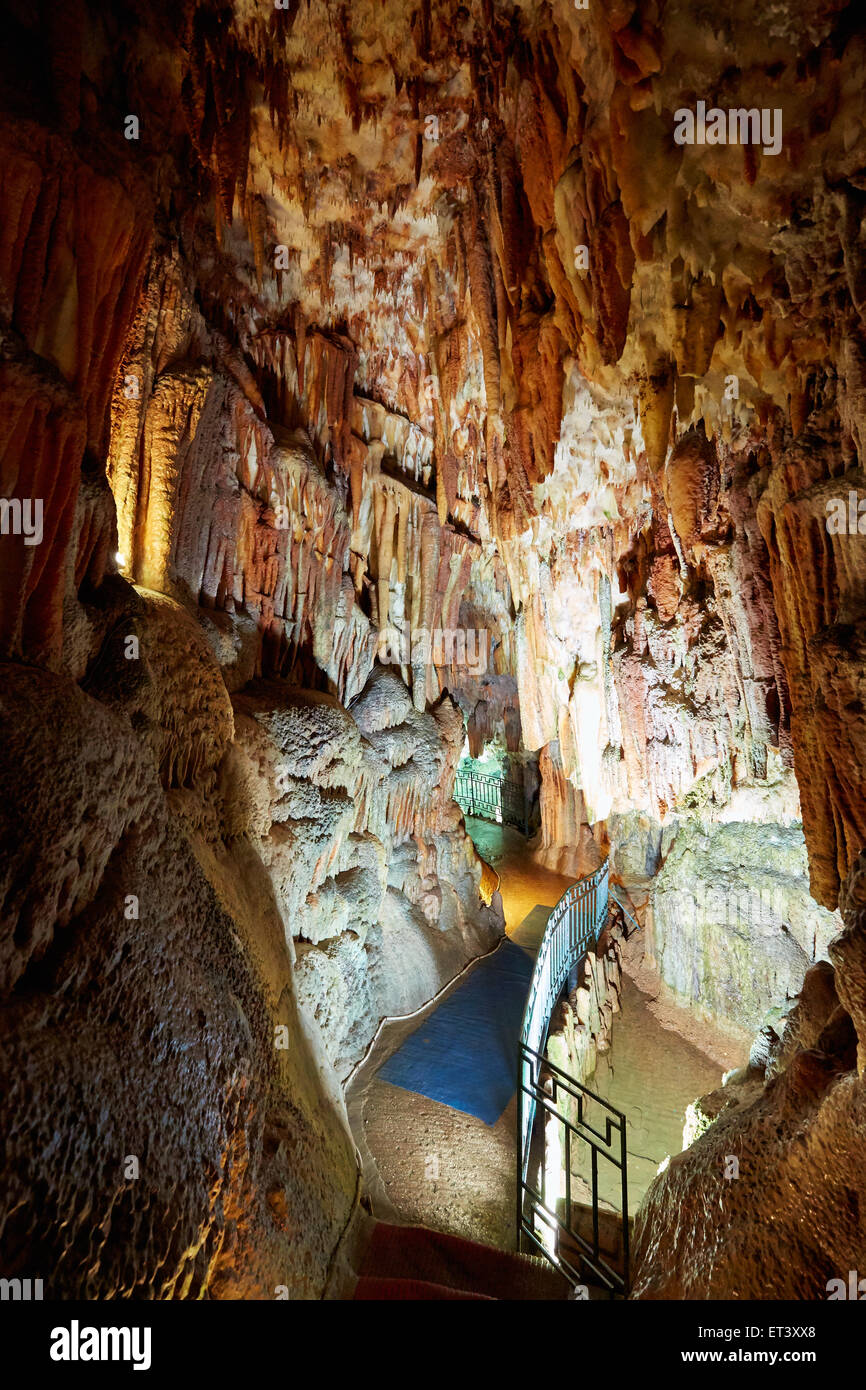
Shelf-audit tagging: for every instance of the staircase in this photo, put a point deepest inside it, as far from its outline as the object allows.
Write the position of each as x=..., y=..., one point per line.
x=412, y=1262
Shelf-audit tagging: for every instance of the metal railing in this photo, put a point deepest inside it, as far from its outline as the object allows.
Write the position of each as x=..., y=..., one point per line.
x=493, y=798
x=568, y=1103
x=574, y=925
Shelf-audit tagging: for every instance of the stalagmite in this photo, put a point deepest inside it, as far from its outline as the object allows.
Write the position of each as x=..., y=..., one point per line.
x=389, y=393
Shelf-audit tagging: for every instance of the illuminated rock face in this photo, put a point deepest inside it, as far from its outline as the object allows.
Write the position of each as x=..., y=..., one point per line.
x=161, y=1142
x=732, y=928
x=387, y=378
x=409, y=275
x=376, y=882
x=766, y=1203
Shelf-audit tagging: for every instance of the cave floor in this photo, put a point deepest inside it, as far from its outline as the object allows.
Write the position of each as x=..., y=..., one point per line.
x=427, y=1163
x=524, y=884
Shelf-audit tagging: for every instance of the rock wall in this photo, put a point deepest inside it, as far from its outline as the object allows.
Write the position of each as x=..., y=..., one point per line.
x=565, y=842
x=377, y=883
x=411, y=286
x=731, y=926
x=217, y=878
x=208, y=903
x=170, y=1124
x=766, y=1202
x=585, y=1023
x=342, y=340
x=434, y=249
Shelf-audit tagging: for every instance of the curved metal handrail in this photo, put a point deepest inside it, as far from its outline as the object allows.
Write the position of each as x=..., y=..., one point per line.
x=574, y=925
x=575, y=922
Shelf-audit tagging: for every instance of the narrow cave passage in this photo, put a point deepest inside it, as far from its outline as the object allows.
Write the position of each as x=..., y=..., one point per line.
x=440, y=1166
x=435, y=1164
x=405, y=402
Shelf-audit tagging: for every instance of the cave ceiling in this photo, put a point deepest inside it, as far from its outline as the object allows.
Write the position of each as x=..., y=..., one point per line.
x=443, y=281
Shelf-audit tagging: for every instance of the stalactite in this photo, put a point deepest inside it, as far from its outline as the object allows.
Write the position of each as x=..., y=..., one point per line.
x=484, y=304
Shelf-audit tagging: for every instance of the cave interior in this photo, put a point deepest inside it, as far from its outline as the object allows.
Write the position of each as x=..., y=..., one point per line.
x=392, y=394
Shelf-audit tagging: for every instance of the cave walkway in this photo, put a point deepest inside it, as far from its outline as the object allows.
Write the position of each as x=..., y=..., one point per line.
x=426, y=1162
x=429, y=1164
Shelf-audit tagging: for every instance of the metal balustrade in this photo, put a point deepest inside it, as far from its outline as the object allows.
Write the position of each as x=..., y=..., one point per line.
x=574, y=925
x=491, y=797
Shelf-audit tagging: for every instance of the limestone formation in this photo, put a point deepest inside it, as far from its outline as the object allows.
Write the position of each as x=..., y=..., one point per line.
x=380, y=384
x=786, y=1221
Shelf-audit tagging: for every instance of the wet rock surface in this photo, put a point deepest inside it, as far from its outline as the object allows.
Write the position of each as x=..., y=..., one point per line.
x=732, y=927
x=765, y=1203
x=385, y=378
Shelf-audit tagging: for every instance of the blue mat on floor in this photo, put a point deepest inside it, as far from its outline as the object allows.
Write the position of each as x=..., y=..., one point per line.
x=465, y=1054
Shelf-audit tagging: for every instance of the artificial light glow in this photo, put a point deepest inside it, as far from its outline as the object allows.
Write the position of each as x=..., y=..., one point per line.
x=554, y=1180
x=120, y=558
